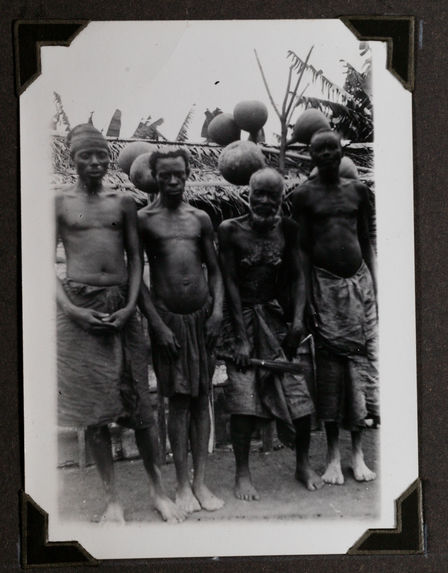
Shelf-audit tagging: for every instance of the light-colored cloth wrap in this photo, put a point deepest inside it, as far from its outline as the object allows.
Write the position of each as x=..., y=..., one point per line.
x=101, y=378
x=258, y=391
x=345, y=323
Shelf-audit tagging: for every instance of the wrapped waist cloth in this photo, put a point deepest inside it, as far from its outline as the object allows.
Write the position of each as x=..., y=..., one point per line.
x=259, y=391
x=192, y=372
x=102, y=378
x=345, y=326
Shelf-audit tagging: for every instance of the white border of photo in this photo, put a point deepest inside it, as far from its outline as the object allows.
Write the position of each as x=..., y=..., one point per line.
x=395, y=243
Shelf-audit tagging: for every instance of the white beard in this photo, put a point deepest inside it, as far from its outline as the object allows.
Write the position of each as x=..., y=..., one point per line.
x=260, y=223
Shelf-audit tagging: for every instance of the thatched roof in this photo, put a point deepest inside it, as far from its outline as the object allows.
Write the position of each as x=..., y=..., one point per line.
x=206, y=188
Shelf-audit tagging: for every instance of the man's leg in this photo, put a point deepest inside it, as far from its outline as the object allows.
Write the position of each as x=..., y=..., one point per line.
x=199, y=437
x=360, y=470
x=98, y=438
x=304, y=472
x=333, y=473
x=148, y=446
x=241, y=430
x=178, y=424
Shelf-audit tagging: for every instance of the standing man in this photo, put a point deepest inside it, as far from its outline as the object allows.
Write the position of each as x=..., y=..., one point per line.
x=102, y=365
x=256, y=251
x=333, y=216
x=184, y=312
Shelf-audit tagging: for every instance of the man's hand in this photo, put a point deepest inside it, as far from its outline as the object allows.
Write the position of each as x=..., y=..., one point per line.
x=292, y=340
x=91, y=320
x=242, y=354
x=212, y=330
x=118, y=318
x=166, y=341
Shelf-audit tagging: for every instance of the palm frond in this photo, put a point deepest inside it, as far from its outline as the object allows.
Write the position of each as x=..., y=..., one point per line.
x=183, y=131
x=329, y=88
x=115, y=125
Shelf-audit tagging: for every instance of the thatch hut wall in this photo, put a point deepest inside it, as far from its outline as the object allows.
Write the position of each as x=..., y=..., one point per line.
x=206, y=188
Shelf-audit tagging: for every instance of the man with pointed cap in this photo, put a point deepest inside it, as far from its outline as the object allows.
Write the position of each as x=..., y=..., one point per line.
x=102, y=362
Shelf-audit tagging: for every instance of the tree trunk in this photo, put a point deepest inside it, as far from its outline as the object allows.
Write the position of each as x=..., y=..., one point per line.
x=283, y=135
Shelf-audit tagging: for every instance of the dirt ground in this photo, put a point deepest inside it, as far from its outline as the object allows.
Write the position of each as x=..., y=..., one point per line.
x=273, y=474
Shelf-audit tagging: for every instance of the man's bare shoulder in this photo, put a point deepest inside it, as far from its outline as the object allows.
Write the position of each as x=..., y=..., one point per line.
x=64, y=192
x=200, y=216
x=230, y=226
x=302, y=191
x=356, y=186
x=63, y=196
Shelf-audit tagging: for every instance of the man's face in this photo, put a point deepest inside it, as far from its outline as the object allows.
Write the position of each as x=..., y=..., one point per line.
x=265, y=199
x=171, y=174
x=91, y=163
x=326, y=151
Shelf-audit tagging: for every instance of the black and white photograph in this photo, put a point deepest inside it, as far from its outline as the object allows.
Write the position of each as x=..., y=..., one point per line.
x=218, y=288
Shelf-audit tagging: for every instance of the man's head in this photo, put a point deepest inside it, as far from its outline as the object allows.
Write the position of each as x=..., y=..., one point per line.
x=170, y=170
x=326, y=149
x=265, y=197
x=89, y=152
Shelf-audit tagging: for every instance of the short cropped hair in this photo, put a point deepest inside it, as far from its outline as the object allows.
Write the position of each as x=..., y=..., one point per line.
x=326, y=130
x=156, y=155
x=273, y=174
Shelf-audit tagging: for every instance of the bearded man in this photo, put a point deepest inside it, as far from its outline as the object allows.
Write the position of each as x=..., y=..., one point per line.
x=257, y=250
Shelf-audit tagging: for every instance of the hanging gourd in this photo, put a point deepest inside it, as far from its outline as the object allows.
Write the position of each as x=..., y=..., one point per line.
x=239, y=160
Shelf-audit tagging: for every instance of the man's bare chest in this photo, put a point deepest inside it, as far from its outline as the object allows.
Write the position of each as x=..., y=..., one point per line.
x=262, y=251
x=339, y=203
x=162, y=230
x=83, y=215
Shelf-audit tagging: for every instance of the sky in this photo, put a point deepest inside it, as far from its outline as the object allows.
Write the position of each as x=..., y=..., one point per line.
x=163, y=69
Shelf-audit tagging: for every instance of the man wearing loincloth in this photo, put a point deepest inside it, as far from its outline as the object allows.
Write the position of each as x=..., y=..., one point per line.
x=102, y=362
x=184, y=311
x=257, y=251
x=333, y=218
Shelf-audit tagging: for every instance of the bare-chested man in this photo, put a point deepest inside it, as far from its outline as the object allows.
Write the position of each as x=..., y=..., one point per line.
x=184, y=311
x=333, y=217
x=256, y=250
x=102, y=363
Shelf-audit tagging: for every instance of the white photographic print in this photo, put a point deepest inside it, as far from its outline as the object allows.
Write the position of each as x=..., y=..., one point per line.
x=256, y=388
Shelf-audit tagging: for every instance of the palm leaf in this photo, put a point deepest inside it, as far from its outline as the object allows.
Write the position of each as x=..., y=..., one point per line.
x=183, y=131
x=328, y=87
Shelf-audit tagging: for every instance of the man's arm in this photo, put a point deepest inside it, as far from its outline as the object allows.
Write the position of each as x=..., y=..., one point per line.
x=131, y=245
x=295, y=259
x=228, y=266
x=363, y=231
x=302, y=218
x=215, y=282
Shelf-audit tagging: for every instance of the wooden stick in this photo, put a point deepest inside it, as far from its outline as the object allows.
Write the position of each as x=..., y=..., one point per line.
x=288, y=109
x=266, y=86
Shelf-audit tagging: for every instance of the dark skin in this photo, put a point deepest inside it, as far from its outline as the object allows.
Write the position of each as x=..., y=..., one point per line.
x=98, y=227
x=246, y=239
x=178, y=241
x=333, y=217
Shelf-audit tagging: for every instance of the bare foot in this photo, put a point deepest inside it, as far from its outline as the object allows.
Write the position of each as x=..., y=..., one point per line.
x=244, y=489
x=112, y=514
x=207, y=499
x=333, y=474
x=186, y=501
x=168, y=510
x=309, y=478
x=360, y=470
